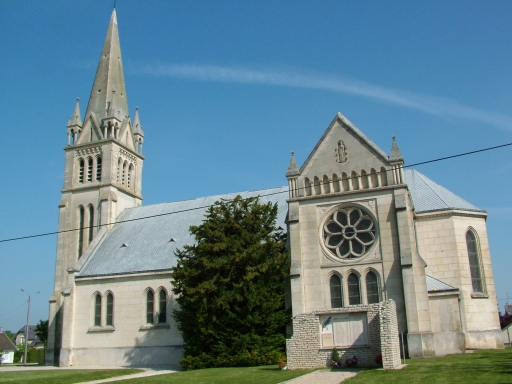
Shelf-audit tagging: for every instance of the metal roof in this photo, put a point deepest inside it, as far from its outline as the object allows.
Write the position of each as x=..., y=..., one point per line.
x=428, y=196
x=434, y=285
x=144, y=239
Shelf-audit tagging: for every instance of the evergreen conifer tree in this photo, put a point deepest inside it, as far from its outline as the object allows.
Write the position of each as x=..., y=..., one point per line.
x=230, y=287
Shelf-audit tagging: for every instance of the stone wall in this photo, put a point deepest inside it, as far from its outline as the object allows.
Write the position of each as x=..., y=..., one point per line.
x=304, y=348
x=389, y=339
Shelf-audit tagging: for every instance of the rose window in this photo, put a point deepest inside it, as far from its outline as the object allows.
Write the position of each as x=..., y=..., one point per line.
x=349, y=233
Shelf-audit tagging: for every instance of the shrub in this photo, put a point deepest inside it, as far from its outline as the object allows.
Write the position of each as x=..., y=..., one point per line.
x=335, y=355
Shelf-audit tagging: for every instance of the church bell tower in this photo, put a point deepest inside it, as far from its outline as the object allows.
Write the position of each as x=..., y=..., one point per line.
x=102, y=177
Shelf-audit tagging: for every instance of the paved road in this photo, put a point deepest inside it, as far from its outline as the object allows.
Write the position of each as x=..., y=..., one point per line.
x=325, y=376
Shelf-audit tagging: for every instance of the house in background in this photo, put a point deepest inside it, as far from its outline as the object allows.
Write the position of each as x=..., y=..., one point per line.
x=33, y=340
x=8, y=348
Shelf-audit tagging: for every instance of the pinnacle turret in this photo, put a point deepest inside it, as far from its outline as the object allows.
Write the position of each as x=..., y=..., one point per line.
x=293, y=169
x=137, y=128
x=395, y=152
x=108, y=94
x=74, y=124
x=76, y=118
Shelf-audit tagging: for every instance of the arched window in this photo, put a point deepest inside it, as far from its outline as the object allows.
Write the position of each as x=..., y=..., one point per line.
x=97, y=310
x=98, y=168
x=150, y=307
x=81, y=220
x=124, y=173
x=474, y=262
x=130, y=175
x=119, y=170
x=91, y=223
x=89, y=169
x=354, y=295
x=336, y=296
x=162, y=307
x=81, y=170
x=372, y=288
x=110, y=309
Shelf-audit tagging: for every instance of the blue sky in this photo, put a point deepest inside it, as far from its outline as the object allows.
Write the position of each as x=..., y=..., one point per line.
x=227, y=89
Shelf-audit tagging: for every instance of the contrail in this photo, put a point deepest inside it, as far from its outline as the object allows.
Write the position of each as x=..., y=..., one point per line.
x=429, y=104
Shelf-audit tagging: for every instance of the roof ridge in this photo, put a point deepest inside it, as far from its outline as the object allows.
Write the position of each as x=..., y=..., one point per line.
x=206, y=197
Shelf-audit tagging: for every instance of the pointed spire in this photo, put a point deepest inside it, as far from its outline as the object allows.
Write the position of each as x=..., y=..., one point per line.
x=137, y=128
x=109, y=80
x=293, y=169
x=395, y=152
x=76, y=118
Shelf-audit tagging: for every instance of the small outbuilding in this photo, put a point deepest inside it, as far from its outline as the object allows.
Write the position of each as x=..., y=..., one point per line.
x=8, y=348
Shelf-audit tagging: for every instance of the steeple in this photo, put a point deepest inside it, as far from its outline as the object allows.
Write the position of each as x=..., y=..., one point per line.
x=108, y=94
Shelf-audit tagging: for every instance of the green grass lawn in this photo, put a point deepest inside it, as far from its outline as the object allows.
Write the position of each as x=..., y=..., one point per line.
x=247, y=375
x=484, y=366
x=67, y=376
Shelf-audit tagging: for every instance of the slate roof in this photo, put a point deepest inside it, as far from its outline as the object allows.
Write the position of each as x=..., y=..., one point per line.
x=6, y=343
x=148, y=245
x=434, y=285
x=31, y=331
x=428, y=196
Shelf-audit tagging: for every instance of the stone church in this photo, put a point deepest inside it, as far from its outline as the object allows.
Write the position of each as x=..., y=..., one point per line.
x=376, y=250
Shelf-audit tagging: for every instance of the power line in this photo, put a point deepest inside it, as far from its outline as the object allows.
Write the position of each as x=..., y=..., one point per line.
x=263, y=195
x=6, y=313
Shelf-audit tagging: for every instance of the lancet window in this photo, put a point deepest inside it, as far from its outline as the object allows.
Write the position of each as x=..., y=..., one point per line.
x=81, y=222
x=150, y=307
x=162, y=307
x=98, y=168
x=372, y=288
x=91, y=223
x=474, y=261
x=336, y=292
x=110, y=309
x=97, y=310
x=81, y=170
x=89, y=169
x=354, y=293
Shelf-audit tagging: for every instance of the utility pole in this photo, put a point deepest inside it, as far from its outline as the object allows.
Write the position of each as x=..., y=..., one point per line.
x=26, y=328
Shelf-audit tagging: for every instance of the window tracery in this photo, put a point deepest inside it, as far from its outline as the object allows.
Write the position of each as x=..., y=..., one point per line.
x=349, y=232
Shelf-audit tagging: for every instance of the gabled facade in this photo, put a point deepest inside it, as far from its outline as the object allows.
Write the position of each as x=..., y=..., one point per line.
x=364, y=230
